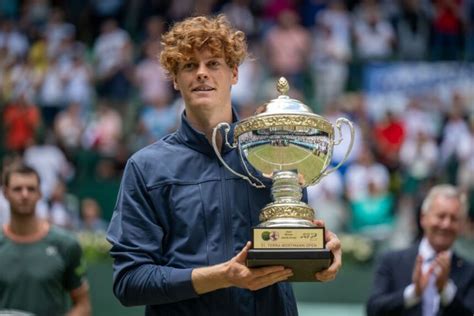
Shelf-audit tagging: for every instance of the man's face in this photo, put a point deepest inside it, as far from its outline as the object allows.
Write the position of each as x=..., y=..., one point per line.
x=205, y=81
x=442, y=222
x=22, y=193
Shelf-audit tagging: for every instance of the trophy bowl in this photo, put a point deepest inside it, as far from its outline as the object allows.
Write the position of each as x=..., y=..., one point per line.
x=288, y=143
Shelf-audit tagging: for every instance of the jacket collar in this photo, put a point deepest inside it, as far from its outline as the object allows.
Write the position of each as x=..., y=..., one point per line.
x=198, y=141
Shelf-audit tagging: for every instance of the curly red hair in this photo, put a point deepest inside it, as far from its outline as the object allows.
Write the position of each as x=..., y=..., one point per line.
x=197, y=33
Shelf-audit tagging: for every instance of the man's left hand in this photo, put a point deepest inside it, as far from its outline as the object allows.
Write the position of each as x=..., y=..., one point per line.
x=442, y=269
x=334, y=245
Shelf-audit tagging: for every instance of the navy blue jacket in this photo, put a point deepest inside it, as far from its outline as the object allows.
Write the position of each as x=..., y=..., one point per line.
x=177, y=209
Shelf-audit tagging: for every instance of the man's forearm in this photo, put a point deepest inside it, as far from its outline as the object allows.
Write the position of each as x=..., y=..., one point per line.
x=209, y=279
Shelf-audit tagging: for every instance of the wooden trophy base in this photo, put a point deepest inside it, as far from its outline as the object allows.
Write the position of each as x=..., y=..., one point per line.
x=304, y=262
x=300, y=249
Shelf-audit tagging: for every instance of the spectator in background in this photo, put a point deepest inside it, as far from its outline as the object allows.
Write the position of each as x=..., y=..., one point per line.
x=154, y=27
x=91, y=220
x=448, y=30
x=44, y=262
x=363, y=174
x=370, y=200
x=56, y=30
x=419, y=117
x=419, y=157
x=68, y=128
x=21, y=79
x=372, y=214
x=454, y=129
x=249, y=88
x=49, y=161
x=113, y=56
x=103, y=131
x=273, y=8
x=374, y=36
x=13, y=40
x=35, y=12
x=331, y=52
x=38, y=53
x=465, y=155
x=51, y=90
x=412, y=28
x=62, y=210
x=239, y=14
x=428, y=278
x=158, y=119
x=287, y=47
x=150, y=78
x=21, y=121
x=79, y=78
x=389, y=135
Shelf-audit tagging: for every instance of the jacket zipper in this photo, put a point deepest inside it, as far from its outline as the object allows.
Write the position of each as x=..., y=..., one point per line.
x=227, y=223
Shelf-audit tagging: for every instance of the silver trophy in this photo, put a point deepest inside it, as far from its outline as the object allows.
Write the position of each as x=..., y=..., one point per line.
x=288, y=143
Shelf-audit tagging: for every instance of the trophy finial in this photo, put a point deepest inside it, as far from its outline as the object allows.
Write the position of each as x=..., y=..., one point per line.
x=283, y=86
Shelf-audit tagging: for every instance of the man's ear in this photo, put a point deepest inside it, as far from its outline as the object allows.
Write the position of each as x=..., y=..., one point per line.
x=175, y=84
x=423, y=219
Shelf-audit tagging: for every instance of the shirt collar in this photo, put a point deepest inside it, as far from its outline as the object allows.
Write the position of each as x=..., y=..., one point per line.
x=427, y=252
x=198, y=141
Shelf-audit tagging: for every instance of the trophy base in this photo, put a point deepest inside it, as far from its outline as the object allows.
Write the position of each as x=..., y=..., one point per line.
x=304, y=262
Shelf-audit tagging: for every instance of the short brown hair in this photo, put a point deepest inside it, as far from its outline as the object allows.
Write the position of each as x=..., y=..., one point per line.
x=20, y=168
x=196, y=33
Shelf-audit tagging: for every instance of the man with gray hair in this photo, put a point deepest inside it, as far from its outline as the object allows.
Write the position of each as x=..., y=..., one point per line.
x=428, y=278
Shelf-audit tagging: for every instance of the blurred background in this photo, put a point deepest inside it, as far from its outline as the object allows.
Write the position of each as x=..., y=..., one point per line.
x=81, y=90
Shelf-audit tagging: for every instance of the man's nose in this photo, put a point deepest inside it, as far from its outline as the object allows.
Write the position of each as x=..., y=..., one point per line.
x=446, y=222
x=24, y=192
x=202, y=72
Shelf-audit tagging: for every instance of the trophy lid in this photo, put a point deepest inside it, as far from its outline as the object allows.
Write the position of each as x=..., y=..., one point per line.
x=283, y=112
x=284, y=104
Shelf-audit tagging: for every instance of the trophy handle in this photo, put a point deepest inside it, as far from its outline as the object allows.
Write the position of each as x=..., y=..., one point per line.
x=339, y=122
x=226, y=127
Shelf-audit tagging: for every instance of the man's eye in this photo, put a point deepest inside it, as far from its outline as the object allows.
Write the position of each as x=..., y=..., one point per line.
x=214, y=63
x=188, y=66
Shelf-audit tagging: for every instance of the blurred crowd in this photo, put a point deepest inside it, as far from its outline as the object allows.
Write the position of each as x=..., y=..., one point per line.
x=80, y=79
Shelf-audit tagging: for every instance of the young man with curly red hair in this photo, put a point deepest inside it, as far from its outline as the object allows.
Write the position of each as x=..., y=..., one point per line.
x=182, y=222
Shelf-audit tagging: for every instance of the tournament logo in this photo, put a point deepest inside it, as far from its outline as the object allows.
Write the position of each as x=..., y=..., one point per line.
x=270, y=235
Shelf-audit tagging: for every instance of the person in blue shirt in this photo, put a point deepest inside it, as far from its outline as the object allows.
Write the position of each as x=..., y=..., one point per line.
x=181, y=225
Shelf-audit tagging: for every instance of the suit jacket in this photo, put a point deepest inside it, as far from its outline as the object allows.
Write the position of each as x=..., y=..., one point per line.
x=394, y=273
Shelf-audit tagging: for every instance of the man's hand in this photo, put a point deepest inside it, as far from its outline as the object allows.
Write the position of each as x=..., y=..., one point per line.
x=239, y=275
x=420, y=279
x=442, y=270
x=334, y=245
x=235, y=273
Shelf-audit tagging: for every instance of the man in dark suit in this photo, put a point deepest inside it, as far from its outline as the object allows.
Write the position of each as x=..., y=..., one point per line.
x=428, y=278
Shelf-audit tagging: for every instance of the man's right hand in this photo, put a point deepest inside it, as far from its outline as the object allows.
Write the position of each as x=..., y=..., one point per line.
x=235, y=273
x=239, y=275
x=420, y=279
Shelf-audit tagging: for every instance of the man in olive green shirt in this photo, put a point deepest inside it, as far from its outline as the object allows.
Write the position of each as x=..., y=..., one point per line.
x=39, y=264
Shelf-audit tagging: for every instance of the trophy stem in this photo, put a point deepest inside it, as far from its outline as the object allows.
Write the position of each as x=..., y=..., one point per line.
x=287, y=208
x=286, y=188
